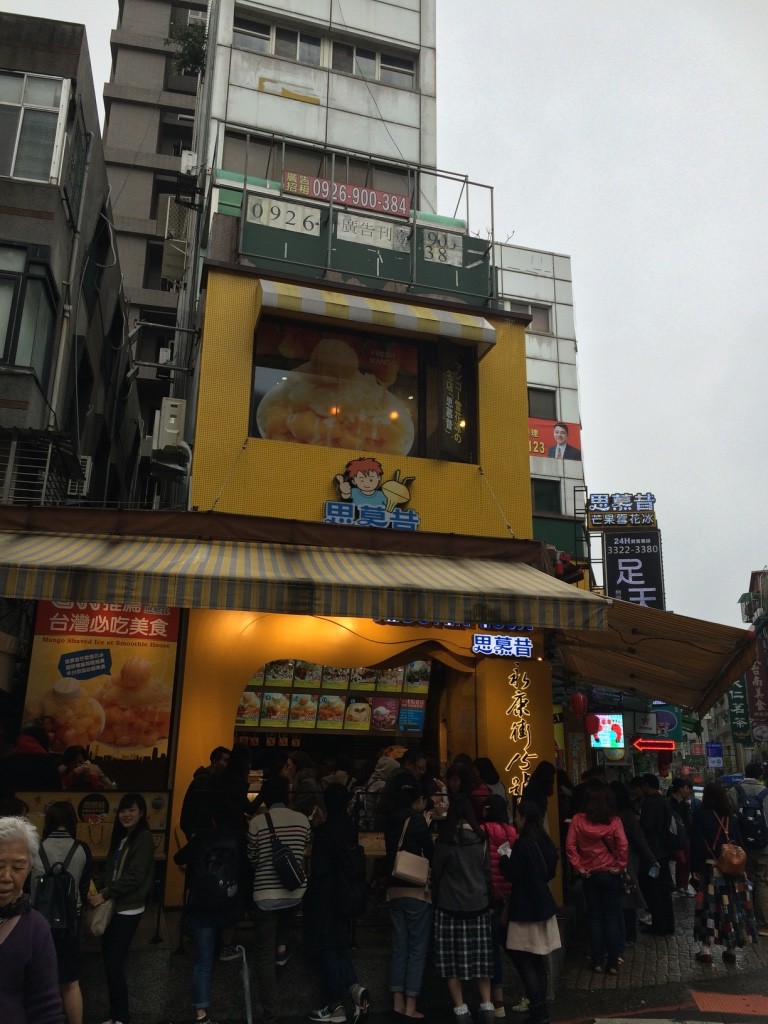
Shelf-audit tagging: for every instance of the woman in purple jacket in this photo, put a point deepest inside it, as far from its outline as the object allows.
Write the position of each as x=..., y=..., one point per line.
x=29, y=981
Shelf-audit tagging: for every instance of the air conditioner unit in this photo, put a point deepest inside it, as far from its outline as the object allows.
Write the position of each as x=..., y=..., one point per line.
x=168, y=430
x=79, y=488
x=171, y=218
x=165, y=355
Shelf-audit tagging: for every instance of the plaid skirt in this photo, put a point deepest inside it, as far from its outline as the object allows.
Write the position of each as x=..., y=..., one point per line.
x=463, y=945
x=724, y=915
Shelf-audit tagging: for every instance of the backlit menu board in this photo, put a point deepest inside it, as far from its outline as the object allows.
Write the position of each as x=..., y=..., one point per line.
x=303, y=695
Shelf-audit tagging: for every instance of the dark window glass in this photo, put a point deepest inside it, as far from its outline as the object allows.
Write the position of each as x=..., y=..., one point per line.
x=546, y=496
x=542, y=404
x=285, y=43
x=343, y=57
x=365, y=63
x=309, y=49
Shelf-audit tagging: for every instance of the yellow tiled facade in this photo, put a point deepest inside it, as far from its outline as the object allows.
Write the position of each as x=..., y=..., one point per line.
x=252, y=476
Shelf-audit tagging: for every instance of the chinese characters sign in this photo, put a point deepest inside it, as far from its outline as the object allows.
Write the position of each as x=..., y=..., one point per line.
x=608, y=511
x=739, y=712
x=453, y=397
x=364, y=198
x=101, y=676
x=367, y=499
x=505, y=646
x=384, y=234
x=518, y=712
x=633, y=567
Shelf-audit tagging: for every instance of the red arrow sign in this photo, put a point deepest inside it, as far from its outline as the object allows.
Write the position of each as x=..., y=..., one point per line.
x=650, y=743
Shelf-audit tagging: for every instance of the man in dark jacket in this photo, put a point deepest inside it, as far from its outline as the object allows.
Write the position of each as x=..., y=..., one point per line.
x=655, y=879
x=203, y=794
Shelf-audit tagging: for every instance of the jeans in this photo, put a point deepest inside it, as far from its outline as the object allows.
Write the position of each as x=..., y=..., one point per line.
x=411, y=927
x=606, y=924
x=337, y=973
x=115, y=943
x=202, y=968
x=272, y=929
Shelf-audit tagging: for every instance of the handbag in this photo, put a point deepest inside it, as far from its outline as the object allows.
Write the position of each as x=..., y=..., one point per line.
x=731, y=858
x=289, y=870
x=410, y=867
x=628, y=885
x=96, y=919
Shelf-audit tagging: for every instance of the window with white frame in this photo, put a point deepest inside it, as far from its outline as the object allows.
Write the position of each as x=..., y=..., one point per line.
x=262, y=37
x=29, y=117
x=387, y=68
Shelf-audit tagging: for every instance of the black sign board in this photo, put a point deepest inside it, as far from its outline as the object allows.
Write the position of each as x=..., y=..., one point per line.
x=633, y=567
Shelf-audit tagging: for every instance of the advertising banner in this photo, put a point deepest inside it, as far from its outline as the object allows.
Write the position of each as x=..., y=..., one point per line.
x=633, y=567
x=554, y=439
x=101, y=676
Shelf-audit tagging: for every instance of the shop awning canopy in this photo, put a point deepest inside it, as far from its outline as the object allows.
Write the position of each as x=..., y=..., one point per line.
x=305, y=580
x=376, y=312
x=659, y=655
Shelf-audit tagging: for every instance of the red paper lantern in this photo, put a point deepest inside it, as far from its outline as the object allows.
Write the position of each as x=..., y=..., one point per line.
x=578, y=703
x=592, y=724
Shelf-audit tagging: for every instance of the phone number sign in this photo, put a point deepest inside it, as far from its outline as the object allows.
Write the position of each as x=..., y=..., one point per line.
x=341, y=192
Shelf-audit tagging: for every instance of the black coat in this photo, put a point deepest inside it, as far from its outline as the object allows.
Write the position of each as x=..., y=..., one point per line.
x=325, y=927
x=530, y=868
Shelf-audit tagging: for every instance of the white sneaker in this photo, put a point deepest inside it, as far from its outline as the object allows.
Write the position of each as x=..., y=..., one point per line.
x=330, y=1014
x=522, y=1007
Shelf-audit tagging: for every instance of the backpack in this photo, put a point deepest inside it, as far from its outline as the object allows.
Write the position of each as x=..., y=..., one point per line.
x=217, y=882
x=289, y=870
x=55, y=895
x=350, y=886
x=754, y=828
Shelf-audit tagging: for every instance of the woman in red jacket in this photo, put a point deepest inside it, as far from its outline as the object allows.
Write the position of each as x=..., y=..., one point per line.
x=597, y=849
x=498, y=830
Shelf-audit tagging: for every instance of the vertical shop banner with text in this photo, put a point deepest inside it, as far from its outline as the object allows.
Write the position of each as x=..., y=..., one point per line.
x=101, y=676
x=633, y=567
x=739, y=712
x=757, y=689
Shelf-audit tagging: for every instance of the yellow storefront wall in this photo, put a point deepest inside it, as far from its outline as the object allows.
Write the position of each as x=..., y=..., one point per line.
x=252, y=476
x=224, y=648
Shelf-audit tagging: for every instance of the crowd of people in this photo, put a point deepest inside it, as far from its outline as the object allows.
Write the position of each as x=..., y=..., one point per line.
x=464, y=885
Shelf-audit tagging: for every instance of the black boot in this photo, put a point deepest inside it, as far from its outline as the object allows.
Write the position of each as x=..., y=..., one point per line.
x=539, y=1014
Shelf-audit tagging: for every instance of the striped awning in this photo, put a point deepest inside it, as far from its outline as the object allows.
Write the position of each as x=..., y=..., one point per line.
x=187, y=573
x=363, y=309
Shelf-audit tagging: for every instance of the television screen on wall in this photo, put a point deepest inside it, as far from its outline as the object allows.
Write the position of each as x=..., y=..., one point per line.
x=610, y=735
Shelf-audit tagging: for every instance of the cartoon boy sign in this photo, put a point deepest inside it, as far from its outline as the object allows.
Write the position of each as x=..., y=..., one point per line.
x=360, y=483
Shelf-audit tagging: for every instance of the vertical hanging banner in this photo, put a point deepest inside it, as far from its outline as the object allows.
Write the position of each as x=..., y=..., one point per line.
x=739, y=712
x=454, y=395
x=633, y=567
x=101, y=676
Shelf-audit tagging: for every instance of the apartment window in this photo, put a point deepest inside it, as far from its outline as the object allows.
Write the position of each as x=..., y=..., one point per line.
x=382, y=67
x=252, y=35
x=29, y=115
x=343, y=389
x=540, y=324
x=546, y=496
x=297, y=46
x=27, y=311
x=542, y=404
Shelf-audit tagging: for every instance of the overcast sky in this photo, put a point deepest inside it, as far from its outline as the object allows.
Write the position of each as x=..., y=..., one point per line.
x=631, y=137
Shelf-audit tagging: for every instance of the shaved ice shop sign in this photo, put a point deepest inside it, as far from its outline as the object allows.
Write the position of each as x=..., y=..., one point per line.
x=367, y=498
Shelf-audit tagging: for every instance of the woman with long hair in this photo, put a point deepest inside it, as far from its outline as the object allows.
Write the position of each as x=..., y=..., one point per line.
x=724, y=915
x=597, y=848
x=532, y=932
x=463, y=931
x=638, y=852
x=59, y=839
x=128, y=876
x=541, y=786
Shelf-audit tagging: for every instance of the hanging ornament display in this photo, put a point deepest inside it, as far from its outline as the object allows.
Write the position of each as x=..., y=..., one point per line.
x=578, y=703
x=592, y=724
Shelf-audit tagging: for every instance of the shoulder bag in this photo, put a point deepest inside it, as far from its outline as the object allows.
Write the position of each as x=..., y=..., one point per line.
x=96, y=919
x=289, y=870
x=410, y=867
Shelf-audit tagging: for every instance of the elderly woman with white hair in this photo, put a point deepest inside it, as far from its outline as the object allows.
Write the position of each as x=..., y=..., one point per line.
x=29, y=983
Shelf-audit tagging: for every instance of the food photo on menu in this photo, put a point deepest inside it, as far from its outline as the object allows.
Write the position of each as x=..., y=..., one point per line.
x=249, y=708
x=279, y=673
x=363, y=679
x=390, y=680
x=358, y=714
x=303, y=710
x=417, y=677
x=274, y=708
x=330, y=711
x=308, y=673
x=335, y=678
x=384, y=714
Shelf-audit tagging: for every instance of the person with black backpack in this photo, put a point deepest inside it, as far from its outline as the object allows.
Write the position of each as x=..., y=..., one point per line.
x=749, y=800
x=335, y=897
x=61, y=873
x=216, y=875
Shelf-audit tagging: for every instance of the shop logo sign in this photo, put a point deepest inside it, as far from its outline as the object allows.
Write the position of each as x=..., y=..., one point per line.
x=365, y=498
x=503, y=646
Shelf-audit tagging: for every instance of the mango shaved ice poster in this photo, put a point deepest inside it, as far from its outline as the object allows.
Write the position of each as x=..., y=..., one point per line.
x=101, y=676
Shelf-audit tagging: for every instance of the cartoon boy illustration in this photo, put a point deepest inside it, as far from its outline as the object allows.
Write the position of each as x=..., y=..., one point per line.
x=360, y=483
